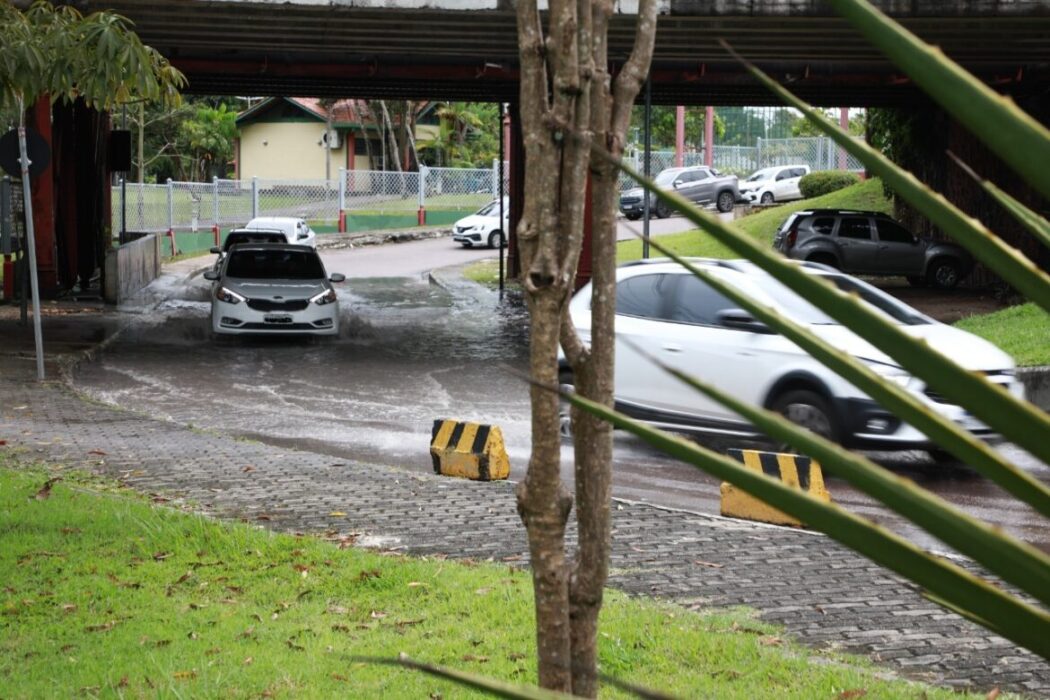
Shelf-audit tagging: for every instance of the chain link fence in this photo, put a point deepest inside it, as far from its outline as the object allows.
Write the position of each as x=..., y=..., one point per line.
x=819, y=153
x=383, y=199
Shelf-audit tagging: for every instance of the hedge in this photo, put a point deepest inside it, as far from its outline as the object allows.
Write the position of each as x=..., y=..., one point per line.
x=825, y=181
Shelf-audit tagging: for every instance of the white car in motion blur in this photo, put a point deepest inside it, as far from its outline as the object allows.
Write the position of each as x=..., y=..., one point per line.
x=273, y=288
x=776, y=184
x=483, y=227
x=667, y=312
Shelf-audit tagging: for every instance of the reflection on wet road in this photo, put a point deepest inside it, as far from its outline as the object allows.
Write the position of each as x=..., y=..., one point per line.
x=410, y=353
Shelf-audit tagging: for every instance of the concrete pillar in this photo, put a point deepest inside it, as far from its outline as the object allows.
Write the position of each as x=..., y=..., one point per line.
x=709, y=136
x=679, y=136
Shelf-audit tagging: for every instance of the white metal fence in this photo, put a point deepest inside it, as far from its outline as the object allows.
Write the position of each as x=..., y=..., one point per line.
x=384, y=198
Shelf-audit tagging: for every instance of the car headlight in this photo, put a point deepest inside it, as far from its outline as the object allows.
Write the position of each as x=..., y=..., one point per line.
x=325, y=297
x=890, y=373
x=230, y=297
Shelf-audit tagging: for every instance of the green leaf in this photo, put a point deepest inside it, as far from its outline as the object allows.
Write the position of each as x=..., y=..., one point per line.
x=1021, y=141
x=1019, y=421
x=1017, y=562
x=1014, y=619
x=1005, y=260
x=469, y=680
x=1036, y=224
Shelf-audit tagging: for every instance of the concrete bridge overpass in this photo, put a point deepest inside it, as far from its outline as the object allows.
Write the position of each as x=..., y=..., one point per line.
x=467, y=49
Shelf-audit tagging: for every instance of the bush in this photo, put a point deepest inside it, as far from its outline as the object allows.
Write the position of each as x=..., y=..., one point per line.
x=825, y=181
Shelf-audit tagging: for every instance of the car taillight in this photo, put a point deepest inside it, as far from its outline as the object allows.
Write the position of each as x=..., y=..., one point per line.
x=792, y=236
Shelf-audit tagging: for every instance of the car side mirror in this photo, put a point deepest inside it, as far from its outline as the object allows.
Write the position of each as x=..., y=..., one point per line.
x=216, y=249
x=211, y=275
x=740, y=320
x=337, y=277
x=677, y=184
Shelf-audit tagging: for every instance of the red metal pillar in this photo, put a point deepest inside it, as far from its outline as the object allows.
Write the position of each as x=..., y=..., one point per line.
x=844, y=123
x=585, y=266
x=709, y=136
x=679, y=136
x=43, y=188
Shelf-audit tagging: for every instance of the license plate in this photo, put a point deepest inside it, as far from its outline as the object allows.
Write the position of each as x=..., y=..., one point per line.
x=277, y=318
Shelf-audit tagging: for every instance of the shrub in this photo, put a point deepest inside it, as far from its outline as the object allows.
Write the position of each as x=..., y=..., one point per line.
x=825, y=181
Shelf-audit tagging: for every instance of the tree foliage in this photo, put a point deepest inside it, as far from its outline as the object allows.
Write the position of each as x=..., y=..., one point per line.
x=663, y=122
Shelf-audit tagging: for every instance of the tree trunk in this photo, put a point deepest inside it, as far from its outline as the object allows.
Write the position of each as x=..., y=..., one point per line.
x=560, y=116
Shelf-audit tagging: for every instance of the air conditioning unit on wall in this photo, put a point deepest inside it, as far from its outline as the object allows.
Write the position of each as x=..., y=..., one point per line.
x=331, y=138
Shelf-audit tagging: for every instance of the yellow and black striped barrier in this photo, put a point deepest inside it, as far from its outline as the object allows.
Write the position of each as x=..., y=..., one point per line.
x=796, y=471
x=469, y=450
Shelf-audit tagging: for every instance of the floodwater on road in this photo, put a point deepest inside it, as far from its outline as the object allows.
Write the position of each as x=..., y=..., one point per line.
x=409, y=353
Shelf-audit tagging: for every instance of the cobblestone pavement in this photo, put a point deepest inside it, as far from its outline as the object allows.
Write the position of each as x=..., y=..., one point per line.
x=822, y=593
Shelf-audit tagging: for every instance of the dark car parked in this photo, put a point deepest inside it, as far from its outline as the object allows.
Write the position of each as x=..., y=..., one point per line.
x=698, y=184
x=871, y=243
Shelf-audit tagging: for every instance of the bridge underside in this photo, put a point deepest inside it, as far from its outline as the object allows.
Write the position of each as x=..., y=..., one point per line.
x=339, y=50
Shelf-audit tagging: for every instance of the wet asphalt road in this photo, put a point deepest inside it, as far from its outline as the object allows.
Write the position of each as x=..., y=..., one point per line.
x=408, y=353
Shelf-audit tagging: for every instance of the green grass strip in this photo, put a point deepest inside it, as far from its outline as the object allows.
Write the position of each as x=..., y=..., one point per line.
x=107, y=594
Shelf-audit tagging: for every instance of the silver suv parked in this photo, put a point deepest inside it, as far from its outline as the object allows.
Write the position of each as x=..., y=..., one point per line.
x=871, y=243
x=698, y=184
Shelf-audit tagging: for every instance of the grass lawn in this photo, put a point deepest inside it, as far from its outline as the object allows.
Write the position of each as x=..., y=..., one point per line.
x=106, y=593
x=1023, y=331
x=763, y=224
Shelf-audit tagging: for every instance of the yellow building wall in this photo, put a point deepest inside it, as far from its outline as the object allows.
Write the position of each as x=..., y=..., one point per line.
x=286, y=150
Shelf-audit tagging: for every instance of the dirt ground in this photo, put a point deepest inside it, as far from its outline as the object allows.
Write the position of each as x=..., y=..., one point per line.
x=945, y=306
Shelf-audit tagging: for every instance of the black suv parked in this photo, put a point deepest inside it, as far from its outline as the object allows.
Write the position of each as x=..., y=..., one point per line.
x=871, y=243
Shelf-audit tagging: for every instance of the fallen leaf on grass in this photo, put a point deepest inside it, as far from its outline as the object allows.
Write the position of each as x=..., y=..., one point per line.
x=339, y=677
x=516, y=656
x=406, y=623
x=104, y=627
x=340, y=628
x=709, y=564
x=191, y=635
x=416, y=584
x=45, y=491
x=850, y=694
x=213, y=651
x=377, y=615
x=182, y=579
x=992, y=694
x=479, y=659
x=68, y=607
x=365, y=575
x=161, y=556
x=292, y=645
x=301, y=568
x=482, y=591
x=70, y=531
x=248, y=633
x=184, y=675
x=123, y=682
x=337, y=610
x=770, y=641
x=235, y=589
x=248, y=661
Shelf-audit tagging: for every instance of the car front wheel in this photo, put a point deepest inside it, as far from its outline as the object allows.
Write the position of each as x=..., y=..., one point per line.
x=633, y=216
x=767, y=198
x=725, y=201
x=809, y=410
x=661, y=211
x=944, y=273
x=496, y=239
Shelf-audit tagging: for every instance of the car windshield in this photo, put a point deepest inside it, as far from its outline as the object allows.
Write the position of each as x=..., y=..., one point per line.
x=252, y=237
x=801, y=310
x=760, y=175
x=275, y=264
x=491, y=209
x=666, y=177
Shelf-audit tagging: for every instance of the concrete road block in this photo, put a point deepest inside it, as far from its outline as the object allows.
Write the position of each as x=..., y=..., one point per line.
x=469, y=450
x=798, y=472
